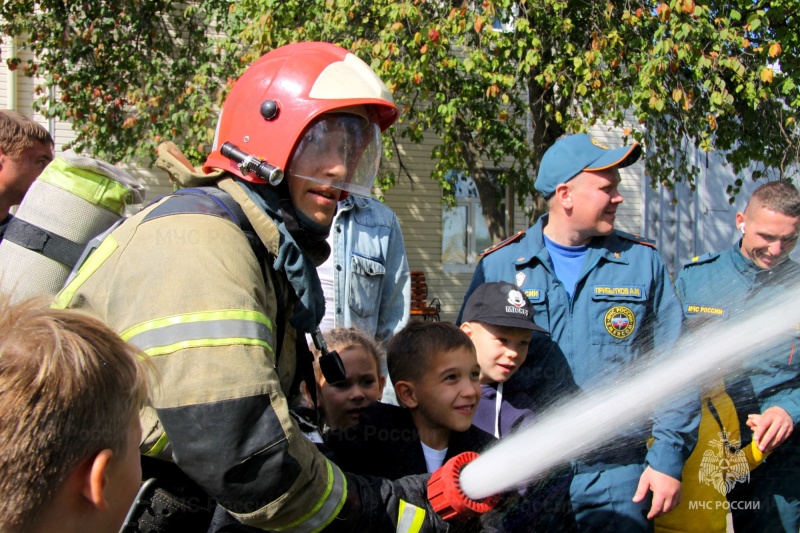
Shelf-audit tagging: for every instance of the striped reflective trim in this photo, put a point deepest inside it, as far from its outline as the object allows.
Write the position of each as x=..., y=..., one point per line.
x=326, y=508
x=94, y=261
x=158, y=447
x=410, y=518
x=204, y=329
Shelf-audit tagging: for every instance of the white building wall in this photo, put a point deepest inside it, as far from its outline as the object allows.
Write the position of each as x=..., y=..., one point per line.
x=629, y=213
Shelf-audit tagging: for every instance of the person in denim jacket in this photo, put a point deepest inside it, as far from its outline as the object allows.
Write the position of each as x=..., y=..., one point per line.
x=366, y=280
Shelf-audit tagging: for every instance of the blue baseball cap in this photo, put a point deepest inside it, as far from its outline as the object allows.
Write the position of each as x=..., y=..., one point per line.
x=571, y=155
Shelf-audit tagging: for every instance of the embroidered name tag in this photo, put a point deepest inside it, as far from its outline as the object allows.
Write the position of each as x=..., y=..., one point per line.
x=626, y=291
x=705, y=310
x=611, y=292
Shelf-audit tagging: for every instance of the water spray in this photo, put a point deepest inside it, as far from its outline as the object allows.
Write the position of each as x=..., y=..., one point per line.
x=582, y=424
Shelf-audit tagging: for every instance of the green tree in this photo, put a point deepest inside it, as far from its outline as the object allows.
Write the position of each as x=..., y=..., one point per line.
x=719, y=76
x=127, y=73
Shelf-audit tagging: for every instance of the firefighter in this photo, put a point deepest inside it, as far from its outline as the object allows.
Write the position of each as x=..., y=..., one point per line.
x=216, y=283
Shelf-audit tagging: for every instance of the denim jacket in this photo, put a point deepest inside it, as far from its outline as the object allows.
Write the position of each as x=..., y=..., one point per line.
x=372, y=287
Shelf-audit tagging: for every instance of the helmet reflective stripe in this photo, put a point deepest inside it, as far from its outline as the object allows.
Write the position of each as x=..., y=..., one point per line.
x=328, y=506
x=351, y=78
x=192, y=330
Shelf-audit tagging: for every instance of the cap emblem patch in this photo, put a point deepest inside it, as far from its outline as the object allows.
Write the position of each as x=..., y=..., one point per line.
x=515, y=298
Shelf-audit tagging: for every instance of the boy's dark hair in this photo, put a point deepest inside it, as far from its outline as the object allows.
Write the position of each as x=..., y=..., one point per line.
x=411, y=350
x=780, y=196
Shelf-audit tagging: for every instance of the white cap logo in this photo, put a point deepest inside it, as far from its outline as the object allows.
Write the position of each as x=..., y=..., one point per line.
x=515, y=298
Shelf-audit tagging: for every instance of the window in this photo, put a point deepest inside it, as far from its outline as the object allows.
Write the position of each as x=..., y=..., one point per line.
x=464, y=231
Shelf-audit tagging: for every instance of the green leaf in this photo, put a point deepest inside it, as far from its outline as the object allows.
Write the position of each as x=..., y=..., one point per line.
x=469, y=64
x=753, y=21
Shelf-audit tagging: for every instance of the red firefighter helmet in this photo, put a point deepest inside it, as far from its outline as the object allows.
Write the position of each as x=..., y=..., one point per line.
x=284, y=92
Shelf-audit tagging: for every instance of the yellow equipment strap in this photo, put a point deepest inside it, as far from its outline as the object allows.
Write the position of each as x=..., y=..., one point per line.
x=91, y=265
x=158, y=447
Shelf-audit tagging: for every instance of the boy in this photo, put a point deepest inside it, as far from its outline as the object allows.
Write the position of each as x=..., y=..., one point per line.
x=499, y=320
x=70, y=391
x=435, y=374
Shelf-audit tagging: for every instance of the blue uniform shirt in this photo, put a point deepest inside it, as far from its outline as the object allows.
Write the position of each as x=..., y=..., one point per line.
x=624, y=303
x=723, y=286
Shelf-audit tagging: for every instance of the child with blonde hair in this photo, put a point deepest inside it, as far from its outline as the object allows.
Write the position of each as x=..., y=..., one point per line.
x=70, y=393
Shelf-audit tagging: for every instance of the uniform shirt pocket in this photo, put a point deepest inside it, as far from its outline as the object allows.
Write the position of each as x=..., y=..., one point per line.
x=366, y=277
x=619, y=311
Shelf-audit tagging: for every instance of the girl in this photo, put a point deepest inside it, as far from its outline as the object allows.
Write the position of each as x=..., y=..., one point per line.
x=341, y=402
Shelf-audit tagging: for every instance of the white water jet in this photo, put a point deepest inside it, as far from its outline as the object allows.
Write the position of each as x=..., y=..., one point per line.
x=586, y=422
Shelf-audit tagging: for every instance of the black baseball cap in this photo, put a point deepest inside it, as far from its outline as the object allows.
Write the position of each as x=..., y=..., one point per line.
x=500, y=303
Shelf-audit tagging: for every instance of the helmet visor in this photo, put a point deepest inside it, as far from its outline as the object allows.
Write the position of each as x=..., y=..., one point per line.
x=339, y=150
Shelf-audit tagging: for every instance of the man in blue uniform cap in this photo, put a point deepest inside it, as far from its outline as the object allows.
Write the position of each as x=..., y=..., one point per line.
x=757, y=270
x=607, y=300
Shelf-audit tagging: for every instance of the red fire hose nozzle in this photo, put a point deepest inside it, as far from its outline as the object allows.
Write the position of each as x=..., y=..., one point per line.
x=446, y=496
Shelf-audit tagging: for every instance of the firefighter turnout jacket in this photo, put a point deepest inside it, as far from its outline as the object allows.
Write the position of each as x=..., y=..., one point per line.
x=181, y=281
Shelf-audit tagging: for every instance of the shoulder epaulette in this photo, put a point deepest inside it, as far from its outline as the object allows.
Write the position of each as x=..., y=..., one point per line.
x=500, y=244
x=635, y=238
x=700, y=259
